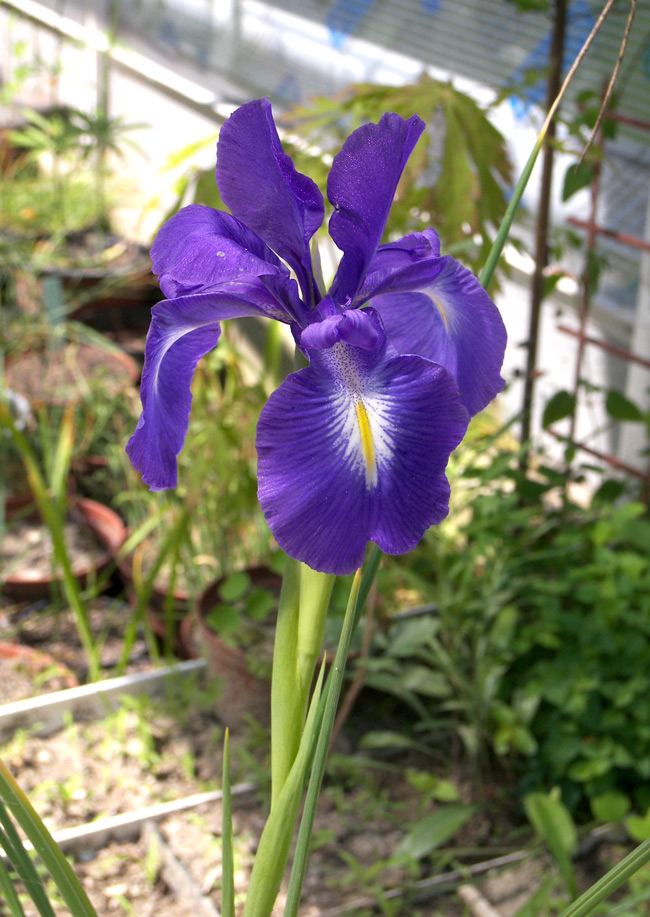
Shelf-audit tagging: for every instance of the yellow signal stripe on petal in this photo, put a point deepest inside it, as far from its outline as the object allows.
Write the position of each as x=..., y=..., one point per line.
x=367, y=444
x=441, y=309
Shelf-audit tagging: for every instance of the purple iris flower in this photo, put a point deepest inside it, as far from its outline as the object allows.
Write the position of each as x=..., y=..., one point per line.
x=404, y=348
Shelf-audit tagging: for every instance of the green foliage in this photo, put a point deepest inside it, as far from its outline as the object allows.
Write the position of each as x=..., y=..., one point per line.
x=432, y=832
x=562, y=404
x=536, y=648
x=554, y=824
x=577, y=177
x=456, y=177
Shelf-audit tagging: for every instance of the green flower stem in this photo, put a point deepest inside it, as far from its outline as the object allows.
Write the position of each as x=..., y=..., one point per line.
x=275, y=842
x=610, y=882
x=55, y=862
x=298, y=644
x=358, y=595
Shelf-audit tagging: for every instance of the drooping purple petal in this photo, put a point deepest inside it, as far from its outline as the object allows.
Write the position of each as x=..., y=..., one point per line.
x=354, y=449
x=261, y=186
x=182, y=331
x=446, y=316
x=361, y=187
x=200, y=248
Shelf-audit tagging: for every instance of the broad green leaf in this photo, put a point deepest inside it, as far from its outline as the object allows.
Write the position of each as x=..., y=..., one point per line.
x=638, y=826
x=259, y=604
x=576, y=178
x=410, y=636
x=382, y=739
x=611, y=806
x=561, y=405
x=425, y=681
x=434, y=831
x=621, y=408
x=234, y=587
x=223, y=619
x=552, y=821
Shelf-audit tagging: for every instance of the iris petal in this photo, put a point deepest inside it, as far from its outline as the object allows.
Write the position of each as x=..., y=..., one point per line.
x=182, y=331
x=199, y=248
x=446, y=317
x=353, y=449
x=361, y=186
x=262, y=187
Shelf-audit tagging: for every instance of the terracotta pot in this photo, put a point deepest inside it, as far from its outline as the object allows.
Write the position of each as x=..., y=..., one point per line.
x=61, y=376
x=157, y=609
x=34, y=665
x=243, y=690
x=26, y=585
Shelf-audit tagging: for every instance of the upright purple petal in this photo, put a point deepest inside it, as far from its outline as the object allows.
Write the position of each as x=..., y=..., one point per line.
x=361, y=187
x=261, y=186
x=438, y=309
x=354, y=449
x=182, y=331
x=200, y=248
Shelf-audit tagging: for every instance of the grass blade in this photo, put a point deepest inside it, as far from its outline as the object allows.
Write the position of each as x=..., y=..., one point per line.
x=610, y=882
x=45, y=846
x=9, y=893
x=227, y=863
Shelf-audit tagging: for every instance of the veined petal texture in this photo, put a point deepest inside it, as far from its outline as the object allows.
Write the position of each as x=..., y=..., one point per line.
x=182, y=331
x=361, y=187
x=438, y=309
x=353, y=449
x=261, y=186
x=199, y=248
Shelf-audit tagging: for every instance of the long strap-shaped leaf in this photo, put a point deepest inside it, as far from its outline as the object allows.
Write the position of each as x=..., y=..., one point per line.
x=358, y=595
x=506, y=225
x=45, y=846
x=22, y=864
x=10, y=895
x=610, y=882
x=273, y=850
x=227, y=862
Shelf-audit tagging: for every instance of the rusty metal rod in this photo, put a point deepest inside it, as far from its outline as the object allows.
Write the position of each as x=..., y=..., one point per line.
x=604, y=345
x=625, y=238
x=605, y=456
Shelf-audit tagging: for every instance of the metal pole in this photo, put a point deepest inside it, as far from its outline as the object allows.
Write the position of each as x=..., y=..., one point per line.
x=543, y=219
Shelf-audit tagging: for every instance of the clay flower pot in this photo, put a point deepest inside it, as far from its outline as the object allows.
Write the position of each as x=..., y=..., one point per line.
x=238, y=645
x=27, y=581
x=25, y=672
x=62, y=375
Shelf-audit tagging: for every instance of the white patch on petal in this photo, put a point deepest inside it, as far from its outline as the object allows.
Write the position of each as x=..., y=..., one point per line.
x=365, y=427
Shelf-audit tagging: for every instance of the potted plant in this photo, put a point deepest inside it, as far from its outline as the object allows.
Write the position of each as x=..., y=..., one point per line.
x=233, y=627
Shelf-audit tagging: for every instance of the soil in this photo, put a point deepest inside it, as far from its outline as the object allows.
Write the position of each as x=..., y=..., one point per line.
x=149, y=752
x=66, y=374
x=42, y=627
x=25, y=672
x=27, y=549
